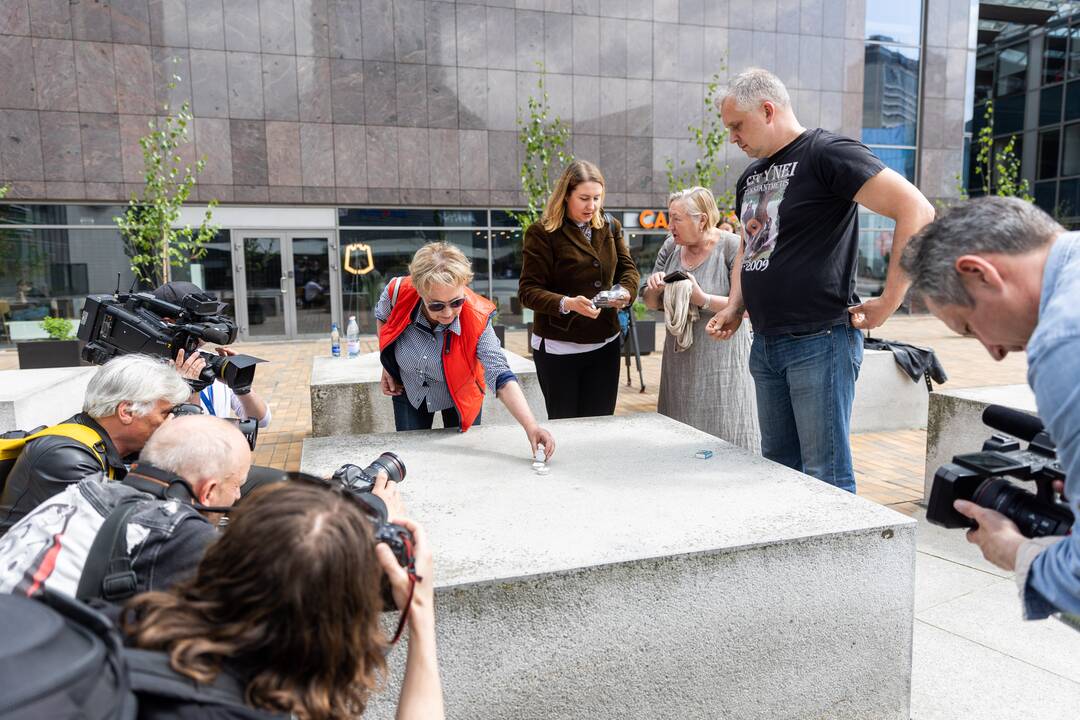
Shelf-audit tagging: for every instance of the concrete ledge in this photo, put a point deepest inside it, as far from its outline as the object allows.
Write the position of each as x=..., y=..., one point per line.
x=955, y=423
x=885, y=397
x=29, y=398
x=635, y=581
x=347, y=398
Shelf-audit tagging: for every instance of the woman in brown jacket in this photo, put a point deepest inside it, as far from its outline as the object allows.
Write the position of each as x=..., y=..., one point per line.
x=574, y=252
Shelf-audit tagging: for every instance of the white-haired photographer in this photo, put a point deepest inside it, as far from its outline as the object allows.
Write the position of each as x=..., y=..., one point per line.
x=127, y=399
x=1003, y=271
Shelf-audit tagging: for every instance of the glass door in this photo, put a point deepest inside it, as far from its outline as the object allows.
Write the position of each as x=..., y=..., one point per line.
x=289, y=282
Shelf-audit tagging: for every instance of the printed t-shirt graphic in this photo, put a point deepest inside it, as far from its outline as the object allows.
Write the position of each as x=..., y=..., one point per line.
x=761, y=213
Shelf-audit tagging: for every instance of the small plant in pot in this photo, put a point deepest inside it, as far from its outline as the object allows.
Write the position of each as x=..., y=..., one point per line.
x=646, y=327
x=60, y=349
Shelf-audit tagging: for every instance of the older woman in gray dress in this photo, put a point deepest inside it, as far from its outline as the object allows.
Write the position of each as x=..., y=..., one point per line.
x=703, y=384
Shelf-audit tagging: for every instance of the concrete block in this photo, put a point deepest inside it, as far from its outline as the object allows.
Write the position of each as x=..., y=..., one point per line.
x=954, y=421
x=347, y=399
x=635, y=581
x=886, y=398
x=29, y=398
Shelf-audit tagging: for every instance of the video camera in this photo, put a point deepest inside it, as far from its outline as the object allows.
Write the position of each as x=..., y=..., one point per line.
x=981, y=478
x=359, y=482
x=124, y=323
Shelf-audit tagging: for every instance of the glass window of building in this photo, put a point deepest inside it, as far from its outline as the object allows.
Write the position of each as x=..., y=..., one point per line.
x=1049, y=144
x=897, y=21
x=1055, y=45
x=1012, y=65
x=1072, y=71
x=1046, y=196
x=1070, y=158
x=1050, y=105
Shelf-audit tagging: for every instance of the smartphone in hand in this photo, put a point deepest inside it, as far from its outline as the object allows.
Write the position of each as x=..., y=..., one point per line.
x=675, y=277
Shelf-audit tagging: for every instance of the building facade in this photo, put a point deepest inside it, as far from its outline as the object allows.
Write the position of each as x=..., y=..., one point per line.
x=340, y=135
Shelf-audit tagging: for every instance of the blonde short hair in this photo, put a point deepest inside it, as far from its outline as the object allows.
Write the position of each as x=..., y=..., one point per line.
x=439, y=263
x=577, y=172
x=698, y=201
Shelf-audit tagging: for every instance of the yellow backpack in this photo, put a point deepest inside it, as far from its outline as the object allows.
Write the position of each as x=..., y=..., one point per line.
x=12, y=444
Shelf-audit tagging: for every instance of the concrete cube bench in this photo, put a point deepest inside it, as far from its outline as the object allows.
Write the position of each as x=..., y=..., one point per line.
x=955, y=423
x=347, y=398
x=29, y=398
x=635, y=581
x=886, y=398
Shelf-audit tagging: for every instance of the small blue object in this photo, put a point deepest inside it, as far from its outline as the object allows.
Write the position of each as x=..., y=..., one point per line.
x=703, y=454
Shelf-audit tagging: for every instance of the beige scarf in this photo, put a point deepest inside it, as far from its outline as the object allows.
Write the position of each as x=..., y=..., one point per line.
x=680, y=313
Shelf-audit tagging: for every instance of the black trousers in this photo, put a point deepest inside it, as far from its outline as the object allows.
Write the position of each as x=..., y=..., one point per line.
x=579, y=385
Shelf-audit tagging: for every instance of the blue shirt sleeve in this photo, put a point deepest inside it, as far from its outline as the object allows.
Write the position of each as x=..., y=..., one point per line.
x=1054, y=579
x=490, y=354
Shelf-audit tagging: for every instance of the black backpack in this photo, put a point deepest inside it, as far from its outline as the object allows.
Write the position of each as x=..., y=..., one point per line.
x=62, y=659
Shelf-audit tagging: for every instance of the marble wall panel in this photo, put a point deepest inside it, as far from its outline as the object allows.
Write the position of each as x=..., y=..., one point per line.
x=312, y=27
x=638, y=165
x=133, y=127
x=134, y=79
x=586, y=104
x=350, y=156
x=501, y=50
x=100, y=139
x=54, y=74
x=245, y=86
x=613, y=47
x=812, y=17
x=61, y=146
x=91, y=21
x=502, y=105
x=346, y=31
x=502, y=160
x=412, y=95
x=283, y=154
x=50, y=18
x=377, y=29
x=414, y=165
x=313, y=79
x=442, y=100
x=409, y=31
x=213, y=142
x=276, y=27
x=472, y=97
x=586, y=37
x=347, y=91
x=241, y=25
x=473, y=159
x=529, y=34
x=209, y=83
x=280, y=93
x=317, y=154
x=206, y=24
x=248, y=140
x=716, y=13
x=613, y=162
x=613, y=106
x=558, y=43
x=380, y=93
x=168, y=22
x=15, y=18
x=172, y=76
x=440, y=32
x=20, y=145
x=130, y=21
x=95, y=75
x=18, y=91
x=445, y=159
x=382, y=157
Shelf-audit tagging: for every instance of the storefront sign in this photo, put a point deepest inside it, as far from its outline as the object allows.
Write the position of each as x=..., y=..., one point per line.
x=363, y=252
x=650, y=219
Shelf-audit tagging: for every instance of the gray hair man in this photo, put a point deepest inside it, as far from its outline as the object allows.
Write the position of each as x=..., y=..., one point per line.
x=1002, y=271
x=795, y=271
x=192, y=466
x=128, y=398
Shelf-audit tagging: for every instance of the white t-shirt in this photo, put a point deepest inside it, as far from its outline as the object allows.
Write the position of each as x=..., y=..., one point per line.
x=219, y=399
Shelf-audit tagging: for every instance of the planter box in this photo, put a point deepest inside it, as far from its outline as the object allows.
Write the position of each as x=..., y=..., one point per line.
x=49, y=354
x=646, y=336
x=500, y=332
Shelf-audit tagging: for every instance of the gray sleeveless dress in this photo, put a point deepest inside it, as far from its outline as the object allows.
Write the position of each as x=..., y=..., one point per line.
x=709, y=386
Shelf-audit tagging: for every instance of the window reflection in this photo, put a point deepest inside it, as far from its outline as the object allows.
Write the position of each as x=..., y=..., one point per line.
x=894, y=20
x=1012, y=69
x=1054, y=47
x=890, y=95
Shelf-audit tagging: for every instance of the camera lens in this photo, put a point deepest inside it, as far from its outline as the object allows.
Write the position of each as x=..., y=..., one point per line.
x=389, y=462
x=1034, y=517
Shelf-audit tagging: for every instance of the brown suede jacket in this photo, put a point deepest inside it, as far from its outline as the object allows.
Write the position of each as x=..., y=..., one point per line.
x=564, y=264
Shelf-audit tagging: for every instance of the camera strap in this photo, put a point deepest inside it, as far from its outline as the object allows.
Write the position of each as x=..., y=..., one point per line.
x=413, y=579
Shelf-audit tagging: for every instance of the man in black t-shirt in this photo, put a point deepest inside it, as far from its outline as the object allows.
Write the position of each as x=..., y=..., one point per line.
x=795, y=272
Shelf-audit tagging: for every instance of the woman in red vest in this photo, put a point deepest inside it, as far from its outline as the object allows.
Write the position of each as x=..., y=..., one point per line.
x=439, y=351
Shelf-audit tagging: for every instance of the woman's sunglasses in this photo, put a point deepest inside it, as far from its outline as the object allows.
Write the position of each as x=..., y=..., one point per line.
x=440, y=306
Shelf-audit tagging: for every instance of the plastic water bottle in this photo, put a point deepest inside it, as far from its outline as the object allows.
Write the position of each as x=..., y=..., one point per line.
x=352, y=336
x=335, y=340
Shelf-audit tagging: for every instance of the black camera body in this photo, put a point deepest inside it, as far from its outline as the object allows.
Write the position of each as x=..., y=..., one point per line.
x=981, y=478
x=359, y=482
x=125, y=323
x=249, y=427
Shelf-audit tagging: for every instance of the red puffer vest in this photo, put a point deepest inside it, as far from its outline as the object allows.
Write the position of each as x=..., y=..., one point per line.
x=463, y=372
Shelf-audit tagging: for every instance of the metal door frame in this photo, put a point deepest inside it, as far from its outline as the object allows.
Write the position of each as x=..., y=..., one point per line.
x=287, y=284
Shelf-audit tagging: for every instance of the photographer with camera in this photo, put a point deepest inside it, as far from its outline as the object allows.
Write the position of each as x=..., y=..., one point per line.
x=1003, y=271
x=156, y=522
x=438, y=348
x=127, y=399
x=282, y=615
x=217, y=398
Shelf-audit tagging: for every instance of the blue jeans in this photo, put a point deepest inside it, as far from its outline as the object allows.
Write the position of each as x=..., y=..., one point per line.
x=406, y=417
x=805, y=386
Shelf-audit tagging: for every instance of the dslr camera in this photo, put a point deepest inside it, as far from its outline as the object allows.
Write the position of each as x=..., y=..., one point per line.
x=249, y=428
x=982, y=478
x=359, y=482
x=114, y=325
